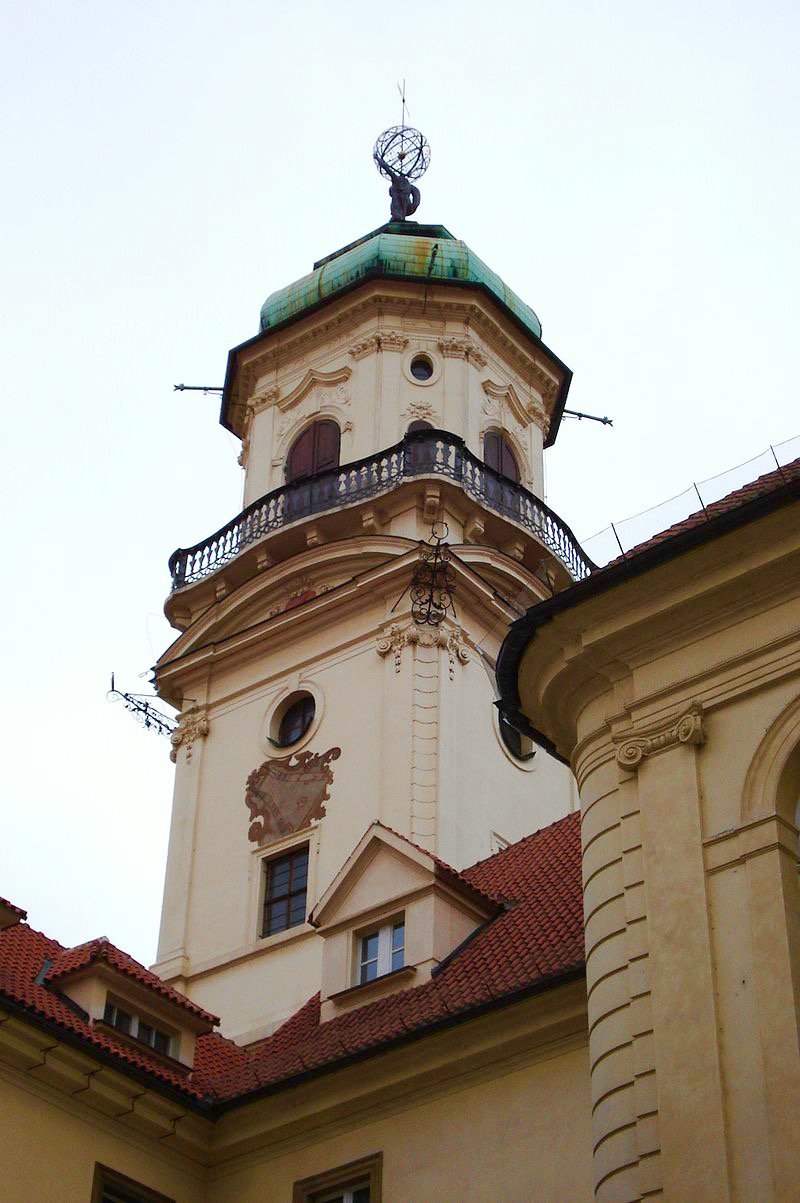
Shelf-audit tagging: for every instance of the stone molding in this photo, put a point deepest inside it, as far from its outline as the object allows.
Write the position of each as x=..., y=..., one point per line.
x=458, y=309
x=382, y=340
x=420, y=411
x=500, y=397
x=687, y=729
x=398, y=637
x=462, y=348
x=313, y=380
x=193, y=725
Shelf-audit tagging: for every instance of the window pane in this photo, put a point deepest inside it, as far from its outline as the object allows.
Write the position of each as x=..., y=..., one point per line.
x=369, y=948
x=297, y=910
x=277, y=916
x=369, y=971
x=278, y=878
x=145, y=1032
x=122, y=1020
x=361, y=1194
x=108, y=1013
x=397, y=959
x=398, y=935
x=161, y=1042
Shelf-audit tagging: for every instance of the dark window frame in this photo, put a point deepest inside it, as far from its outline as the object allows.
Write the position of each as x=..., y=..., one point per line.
x=366, y=1171
x=110, y=1186
x=310, y=443
x=499, y=455
x=287, y=896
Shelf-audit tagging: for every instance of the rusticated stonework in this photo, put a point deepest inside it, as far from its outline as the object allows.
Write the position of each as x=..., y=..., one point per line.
x=688, y=729
x=283, y=797
x=193, y=725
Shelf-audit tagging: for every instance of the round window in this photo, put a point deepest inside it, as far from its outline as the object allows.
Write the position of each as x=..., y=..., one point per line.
x=292, y=720
x=520, y=746
x=421, y=367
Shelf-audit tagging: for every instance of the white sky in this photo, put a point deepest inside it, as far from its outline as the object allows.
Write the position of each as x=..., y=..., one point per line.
x=631, y=169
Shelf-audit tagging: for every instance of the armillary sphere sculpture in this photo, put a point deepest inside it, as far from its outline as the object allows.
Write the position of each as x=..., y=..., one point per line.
x=402, y=154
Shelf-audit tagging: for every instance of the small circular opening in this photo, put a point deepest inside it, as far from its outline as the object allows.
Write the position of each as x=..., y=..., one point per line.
x=520, y=747
x=421, y=367
x=293, y=720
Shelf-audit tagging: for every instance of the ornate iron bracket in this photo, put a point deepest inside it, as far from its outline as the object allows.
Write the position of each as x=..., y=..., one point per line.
x=138, y=704
x=433, y=581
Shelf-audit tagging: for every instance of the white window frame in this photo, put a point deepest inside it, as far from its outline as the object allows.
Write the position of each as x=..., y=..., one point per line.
x=137, y=1020
x=386, y=949
x=344, y=1193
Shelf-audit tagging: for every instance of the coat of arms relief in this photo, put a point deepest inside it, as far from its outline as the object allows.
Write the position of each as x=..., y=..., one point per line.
x=283, y=797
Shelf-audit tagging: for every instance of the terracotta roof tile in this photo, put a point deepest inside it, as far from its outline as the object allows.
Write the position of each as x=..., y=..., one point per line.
x=536, y=940
x=72, y=960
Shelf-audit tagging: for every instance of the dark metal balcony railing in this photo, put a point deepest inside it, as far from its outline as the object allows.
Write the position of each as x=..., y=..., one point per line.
x=421, y=453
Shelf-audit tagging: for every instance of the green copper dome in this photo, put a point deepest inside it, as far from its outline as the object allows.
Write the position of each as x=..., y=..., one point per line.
x=403, y=251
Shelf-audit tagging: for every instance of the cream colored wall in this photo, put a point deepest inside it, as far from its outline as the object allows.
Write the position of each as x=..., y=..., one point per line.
x=419, y=751
x=51, y=1143
x=682, y=693
x=496, y=1111
x=453, y=399
x=519, y=1136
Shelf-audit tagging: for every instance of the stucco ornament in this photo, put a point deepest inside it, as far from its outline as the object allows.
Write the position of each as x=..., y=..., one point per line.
x=688, y=729
x=462, y=348
x=283, y=797
x=420, y=411
x=399, y=637
x=193, y=725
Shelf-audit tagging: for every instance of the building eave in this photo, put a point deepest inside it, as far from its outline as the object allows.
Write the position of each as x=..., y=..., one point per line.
x=523, y=630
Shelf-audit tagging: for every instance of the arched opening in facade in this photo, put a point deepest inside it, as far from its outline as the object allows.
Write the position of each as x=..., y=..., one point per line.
x=316, y=449
x=497, y=454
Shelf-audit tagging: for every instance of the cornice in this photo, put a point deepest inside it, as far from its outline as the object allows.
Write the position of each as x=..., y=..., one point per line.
x=439, y=306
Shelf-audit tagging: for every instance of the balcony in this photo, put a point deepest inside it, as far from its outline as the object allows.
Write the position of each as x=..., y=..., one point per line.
x=424, y=453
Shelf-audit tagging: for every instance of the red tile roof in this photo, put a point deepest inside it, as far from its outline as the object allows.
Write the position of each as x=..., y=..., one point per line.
x=785, y=479
x=537, y=940
x=17, y=910
x=72, y=960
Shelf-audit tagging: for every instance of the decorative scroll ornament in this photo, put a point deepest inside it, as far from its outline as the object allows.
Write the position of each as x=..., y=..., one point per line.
x=420, y=411
x=283, y=797
x=463, y=348
x=688, y=729
x=193, y=725
x=433, y=581
x=141, y=707
x=398, y=637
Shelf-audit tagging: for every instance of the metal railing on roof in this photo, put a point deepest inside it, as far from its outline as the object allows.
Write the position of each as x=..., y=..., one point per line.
x=619, y=538
x=421, y=453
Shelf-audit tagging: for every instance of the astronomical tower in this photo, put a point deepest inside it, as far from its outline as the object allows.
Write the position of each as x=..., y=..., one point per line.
x=334, y=662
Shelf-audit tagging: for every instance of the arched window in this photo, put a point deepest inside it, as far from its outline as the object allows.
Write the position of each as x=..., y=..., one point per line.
x=316, y=449
x=497, y=454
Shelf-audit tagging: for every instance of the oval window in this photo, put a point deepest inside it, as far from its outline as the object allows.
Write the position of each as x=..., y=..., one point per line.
x=292, y=720
x=421, y=367
x=520, y=746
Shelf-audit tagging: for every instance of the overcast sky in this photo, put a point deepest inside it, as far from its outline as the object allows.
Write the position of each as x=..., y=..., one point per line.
x=631, y=169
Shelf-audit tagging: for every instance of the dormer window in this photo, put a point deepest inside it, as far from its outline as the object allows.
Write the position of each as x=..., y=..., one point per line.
x=141, y=1029
x=382, y=951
